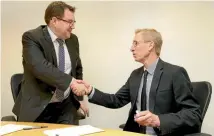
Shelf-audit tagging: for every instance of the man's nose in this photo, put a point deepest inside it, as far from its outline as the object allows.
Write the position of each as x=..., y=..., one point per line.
x=132, y=48
x=72, y=26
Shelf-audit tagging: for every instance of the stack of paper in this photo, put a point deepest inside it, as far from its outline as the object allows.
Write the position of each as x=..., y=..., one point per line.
x=9, y=128
x=73, y=131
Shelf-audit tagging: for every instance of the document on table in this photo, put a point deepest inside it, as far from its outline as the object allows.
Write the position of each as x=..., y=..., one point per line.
x=9, y=128
x=74, y=131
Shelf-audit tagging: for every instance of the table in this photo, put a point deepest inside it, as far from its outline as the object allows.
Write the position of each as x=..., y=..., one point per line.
x=39, y=132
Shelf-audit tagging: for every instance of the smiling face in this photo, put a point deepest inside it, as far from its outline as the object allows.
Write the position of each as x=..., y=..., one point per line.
x=64, y=26
x=59, y=16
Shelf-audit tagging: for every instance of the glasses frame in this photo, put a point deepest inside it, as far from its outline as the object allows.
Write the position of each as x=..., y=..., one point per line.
x=136, y=43
x=69, y=22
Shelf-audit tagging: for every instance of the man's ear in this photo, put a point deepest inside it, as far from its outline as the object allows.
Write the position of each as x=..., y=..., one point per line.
x=151, y=45
x=53, y=20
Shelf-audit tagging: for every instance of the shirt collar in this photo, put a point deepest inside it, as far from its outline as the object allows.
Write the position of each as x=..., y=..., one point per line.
x=152, y=67
x=52, y=35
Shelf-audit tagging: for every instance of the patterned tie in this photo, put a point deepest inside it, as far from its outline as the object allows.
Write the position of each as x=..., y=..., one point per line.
x=59, y=93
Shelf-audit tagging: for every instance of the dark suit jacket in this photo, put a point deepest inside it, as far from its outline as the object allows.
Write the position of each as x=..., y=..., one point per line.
x=170, y=98
x=41, y=75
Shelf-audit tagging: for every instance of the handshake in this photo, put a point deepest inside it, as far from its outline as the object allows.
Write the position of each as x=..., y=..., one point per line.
x=80, y=87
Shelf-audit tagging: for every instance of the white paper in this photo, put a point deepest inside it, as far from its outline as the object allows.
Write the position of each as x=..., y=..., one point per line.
x=9, y=128
x=73, y=131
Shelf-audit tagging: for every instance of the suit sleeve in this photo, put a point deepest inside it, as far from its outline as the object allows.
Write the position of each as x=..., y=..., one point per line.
x=188, y=115
x=117, y=100
x=42, y=69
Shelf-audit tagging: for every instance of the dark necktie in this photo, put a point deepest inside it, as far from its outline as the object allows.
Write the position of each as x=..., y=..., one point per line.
x=59, y=93
x=143, y=98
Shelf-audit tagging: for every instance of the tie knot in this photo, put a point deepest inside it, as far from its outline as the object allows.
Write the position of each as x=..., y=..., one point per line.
x=60, y=41
x=145, y=73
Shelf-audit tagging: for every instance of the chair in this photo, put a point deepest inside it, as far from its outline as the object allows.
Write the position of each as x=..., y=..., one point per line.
x=15, y=88
x=202, y=91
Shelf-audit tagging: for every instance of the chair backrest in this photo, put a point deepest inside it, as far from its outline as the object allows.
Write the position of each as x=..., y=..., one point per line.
x=15, y=84
x=202, y=91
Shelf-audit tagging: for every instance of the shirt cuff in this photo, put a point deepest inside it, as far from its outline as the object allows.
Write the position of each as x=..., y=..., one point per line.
x=91, y=94
x=69, y=87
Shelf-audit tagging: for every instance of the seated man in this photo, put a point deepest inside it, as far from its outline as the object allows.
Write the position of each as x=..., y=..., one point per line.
x=161, y=92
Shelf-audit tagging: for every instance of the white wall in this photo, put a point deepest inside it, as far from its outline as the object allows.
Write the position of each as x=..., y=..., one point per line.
x=105, y=31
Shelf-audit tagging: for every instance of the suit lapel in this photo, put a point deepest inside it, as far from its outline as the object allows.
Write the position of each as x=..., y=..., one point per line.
x=50, y=44
x=131, y=125
x=155, y=83
x=71, y=53
x=137, y=82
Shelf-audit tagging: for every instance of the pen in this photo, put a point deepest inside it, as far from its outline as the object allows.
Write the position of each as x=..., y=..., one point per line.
x=37, y=127
x=137, y=111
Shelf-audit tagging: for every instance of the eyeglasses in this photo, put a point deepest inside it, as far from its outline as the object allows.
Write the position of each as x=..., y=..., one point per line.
x=136, y=43
x=72, y=22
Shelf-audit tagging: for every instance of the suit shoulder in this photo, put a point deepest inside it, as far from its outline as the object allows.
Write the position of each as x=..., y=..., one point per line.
x=173, y=68
x=34, y=32
x=176, y=71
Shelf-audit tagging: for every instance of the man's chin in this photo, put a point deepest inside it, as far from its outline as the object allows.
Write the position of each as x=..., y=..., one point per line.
x=68, y=36
x=136, y=59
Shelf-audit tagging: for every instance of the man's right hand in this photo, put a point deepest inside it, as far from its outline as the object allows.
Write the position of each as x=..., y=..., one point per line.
x=80, y=87
x=77, y=88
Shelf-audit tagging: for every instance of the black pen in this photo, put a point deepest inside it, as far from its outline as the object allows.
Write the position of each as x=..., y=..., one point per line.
x=37, y=127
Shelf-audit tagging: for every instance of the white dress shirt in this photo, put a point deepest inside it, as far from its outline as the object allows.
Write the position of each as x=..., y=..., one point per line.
x=67, y=62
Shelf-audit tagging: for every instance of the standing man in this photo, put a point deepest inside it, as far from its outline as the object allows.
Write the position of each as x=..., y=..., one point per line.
x=51, y=65
x=162, y=102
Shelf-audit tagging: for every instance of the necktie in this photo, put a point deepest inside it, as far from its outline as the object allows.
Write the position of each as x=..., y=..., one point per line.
x=59, y=93
x=61, y=55
x=143, y=98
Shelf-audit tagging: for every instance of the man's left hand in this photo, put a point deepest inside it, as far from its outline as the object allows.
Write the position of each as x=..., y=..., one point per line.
x=84, y=108
x=146, y=118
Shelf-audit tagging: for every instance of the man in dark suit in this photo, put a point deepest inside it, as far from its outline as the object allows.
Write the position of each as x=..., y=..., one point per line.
x=51, y=64
x=162, y=102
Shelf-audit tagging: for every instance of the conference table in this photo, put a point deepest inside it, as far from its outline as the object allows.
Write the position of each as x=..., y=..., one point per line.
x=39, y=132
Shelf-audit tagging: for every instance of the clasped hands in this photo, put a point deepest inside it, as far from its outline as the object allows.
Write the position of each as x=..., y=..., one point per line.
x=80, y=87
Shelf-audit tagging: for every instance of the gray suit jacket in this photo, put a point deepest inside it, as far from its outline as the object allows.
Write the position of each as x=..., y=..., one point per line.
x=41, y=75
x=170, y=97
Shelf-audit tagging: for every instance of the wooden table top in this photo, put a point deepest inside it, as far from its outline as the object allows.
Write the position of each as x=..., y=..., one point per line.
x=39, y=132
